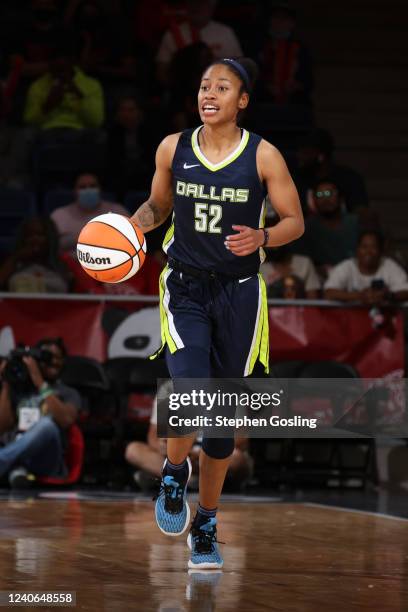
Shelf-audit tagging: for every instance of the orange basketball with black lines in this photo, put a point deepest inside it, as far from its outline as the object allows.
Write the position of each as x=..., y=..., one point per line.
x=111, y=248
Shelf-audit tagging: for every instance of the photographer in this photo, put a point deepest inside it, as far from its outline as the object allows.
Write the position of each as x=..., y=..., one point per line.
x=38, y=408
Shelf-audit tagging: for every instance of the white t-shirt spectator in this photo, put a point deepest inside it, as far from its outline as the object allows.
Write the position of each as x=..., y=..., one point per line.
x=300, y=266
x=36, y=278
x=71, y=219
x=218, y=37
x=347, y=276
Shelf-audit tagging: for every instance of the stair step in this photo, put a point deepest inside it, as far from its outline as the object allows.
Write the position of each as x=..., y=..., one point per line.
x=358, y=101
x=370, y=139
x=387, y=189
x=361, y=79
x=375, y=163
x=364, y=121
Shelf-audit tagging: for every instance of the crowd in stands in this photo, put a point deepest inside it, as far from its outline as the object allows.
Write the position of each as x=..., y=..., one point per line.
x=87, y=90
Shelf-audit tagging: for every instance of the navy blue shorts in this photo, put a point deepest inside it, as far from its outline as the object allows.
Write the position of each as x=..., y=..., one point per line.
x=213, y=327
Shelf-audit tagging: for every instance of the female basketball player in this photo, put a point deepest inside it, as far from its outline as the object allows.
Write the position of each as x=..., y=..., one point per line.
x=213, y=301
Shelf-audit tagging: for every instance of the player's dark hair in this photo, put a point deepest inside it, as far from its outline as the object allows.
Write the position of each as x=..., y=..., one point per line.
x=379, y=236
x=244, y=68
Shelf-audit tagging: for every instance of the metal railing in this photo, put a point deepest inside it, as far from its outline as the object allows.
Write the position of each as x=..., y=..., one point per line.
x=154, y=299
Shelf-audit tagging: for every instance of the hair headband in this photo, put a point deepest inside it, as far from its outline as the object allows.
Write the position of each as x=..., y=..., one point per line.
x=239, y=68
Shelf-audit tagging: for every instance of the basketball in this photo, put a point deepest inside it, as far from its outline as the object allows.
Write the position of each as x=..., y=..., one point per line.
x=111, y=248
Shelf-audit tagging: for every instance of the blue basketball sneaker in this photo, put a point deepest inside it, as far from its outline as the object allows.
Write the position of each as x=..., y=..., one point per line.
x=172, y=510
x=202, y=542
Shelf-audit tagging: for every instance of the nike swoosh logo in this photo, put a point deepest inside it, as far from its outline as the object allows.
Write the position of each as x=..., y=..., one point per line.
x=187, y=166
x=242, y=280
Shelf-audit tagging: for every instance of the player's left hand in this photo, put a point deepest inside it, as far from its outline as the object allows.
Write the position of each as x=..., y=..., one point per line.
x=246, y=241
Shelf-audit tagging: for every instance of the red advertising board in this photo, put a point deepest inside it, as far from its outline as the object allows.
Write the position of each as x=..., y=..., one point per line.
x=101, y=329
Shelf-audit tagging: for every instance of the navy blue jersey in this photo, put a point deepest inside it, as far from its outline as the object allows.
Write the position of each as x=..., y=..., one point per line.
x=210, y=198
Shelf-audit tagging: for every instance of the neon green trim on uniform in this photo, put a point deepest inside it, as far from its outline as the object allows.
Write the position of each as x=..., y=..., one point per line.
x=164, y=324
x=228, y=160
x=168, y=237
x=262, y=254
x=264, y=345
x=260, y=349
x=263, y=215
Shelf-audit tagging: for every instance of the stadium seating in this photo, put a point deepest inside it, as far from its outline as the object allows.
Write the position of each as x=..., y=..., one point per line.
x=135, y=384
x=15, y=206
x=98, y=418
x=59, y=164
x=323, y=461
x=74, y=458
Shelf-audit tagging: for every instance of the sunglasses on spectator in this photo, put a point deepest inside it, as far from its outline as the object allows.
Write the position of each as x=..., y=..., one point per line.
x=326, y=193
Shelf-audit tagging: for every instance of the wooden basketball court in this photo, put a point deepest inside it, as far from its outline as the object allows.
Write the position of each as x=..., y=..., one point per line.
x=278, y=556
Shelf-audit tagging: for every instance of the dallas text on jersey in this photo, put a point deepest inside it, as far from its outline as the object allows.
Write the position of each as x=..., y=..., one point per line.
x=225, y=194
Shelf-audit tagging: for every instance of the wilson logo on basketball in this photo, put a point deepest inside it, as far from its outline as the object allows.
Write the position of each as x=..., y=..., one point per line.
x=86, y=257
x=110, y=248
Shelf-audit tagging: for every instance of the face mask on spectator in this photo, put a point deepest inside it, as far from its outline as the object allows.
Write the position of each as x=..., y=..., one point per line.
x=89, y=198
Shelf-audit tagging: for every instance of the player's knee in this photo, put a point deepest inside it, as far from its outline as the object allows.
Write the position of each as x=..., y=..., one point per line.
x=133, y=452
x=218, y=448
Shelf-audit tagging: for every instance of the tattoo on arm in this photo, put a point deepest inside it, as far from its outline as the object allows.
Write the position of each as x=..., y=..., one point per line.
x=150, y=214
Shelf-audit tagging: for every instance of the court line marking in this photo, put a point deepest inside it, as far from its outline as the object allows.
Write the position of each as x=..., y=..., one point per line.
x=367, y=512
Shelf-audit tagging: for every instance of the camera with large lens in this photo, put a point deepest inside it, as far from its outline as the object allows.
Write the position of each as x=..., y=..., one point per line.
x=16, y=372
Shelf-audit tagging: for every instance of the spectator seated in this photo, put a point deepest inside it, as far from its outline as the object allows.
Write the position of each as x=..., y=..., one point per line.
x=315, y=161
x=331, y=233
x=64, y=107
x=285, y=61
x=148, y=456
x=370, y=277
x=58, y=198
x=15, y=206
x=198, y=26
x=88, y=204
x=282, y=265
x=35, y=266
